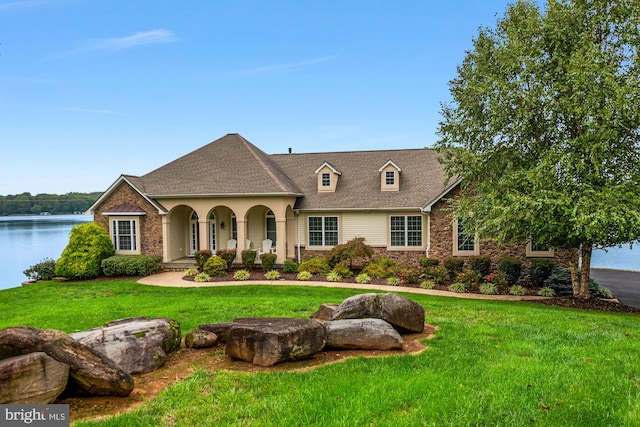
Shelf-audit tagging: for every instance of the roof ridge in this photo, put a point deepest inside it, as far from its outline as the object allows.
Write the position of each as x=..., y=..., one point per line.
x=252, y=149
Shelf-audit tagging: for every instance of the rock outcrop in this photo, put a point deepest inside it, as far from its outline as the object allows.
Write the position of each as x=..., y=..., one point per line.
x=33, y=378
x=366, y=334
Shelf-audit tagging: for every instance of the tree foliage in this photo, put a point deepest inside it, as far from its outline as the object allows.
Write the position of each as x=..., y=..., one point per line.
x=26, y=204
x=89, y=244
x=543, y=129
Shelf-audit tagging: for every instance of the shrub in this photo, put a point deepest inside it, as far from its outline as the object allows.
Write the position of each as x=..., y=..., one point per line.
x=241, y=275
x=268, y=261
x=598, y=292
x=381, y=268
x=540, y=270
x=228, y=255
x=363, y=278
x=334, y=276
x=393, y=281
x=315, y=265
x=290, y=266
x=512, y=267
x=272, y=275
x=469, y=277
x=191, y=272
x=480, y=264
x=215, y=266
x=427, y=263
x=202, y=277
x=131, y=265
x=410, y=275
x=249, y=259
x=428, y=284
x=88, y=245
x=304, y=276
x=44, y=270
x=560, y=281
x=547, y=292
x=499, y=278
x=488, y=289
x=458, y=287
x=201, y=257
x=517, y=290
x=355, y=249
x=454, y=266
x=438, y=274
x=343, y=269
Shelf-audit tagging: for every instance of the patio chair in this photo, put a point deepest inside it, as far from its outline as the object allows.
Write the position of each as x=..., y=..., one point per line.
x=232, y=244
x=266, y=248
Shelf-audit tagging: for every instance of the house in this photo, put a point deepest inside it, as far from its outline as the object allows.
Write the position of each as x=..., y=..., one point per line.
x=230, y=194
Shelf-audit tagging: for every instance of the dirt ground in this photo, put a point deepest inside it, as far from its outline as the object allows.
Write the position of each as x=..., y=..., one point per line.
x=182, y=363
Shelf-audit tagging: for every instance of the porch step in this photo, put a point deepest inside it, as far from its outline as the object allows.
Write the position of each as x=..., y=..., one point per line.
x=179, y=264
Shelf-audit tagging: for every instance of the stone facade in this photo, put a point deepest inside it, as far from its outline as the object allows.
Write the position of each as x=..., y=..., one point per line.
x=150, y=224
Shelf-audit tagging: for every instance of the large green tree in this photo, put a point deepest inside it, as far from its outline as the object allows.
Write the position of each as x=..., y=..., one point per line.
x=543, y=128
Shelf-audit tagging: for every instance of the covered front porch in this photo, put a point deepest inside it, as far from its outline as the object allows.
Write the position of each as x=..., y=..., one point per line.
x=229, y=223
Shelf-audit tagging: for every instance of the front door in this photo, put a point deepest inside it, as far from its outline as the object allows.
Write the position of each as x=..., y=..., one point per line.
x=193, y=234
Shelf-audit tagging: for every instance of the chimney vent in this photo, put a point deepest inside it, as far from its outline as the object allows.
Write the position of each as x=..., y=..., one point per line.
x=289, y=150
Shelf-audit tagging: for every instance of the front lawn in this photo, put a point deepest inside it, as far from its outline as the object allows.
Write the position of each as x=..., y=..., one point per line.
x=491, y=363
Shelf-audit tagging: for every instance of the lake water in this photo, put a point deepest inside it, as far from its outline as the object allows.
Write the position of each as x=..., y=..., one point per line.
x=27, y=240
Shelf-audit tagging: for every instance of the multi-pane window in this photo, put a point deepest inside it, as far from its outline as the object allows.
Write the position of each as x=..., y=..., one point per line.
x=389, y=178
x=323, y=230
x=465, y=238
x=271, y=227
x=124, y=235
x=406, y=230
x=212, y=232
x=326, y=179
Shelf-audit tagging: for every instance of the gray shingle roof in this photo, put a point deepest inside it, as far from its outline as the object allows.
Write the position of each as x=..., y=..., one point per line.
x=232, y=165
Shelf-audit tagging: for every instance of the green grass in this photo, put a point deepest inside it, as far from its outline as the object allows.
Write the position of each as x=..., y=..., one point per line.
x=491, y=363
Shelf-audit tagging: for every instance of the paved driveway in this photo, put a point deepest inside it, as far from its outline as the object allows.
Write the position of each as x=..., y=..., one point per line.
x=624, y=285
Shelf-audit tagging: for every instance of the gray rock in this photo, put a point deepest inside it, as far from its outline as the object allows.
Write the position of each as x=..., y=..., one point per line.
x=199, y=338
x=220, y=329
x=137, y=344
x=33, y=378
x=265, y=342
x=366, y=334
x=402, y=313
x=91, y=373
x=324, y=312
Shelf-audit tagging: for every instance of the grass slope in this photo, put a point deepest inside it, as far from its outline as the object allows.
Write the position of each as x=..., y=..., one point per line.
x=492, y=363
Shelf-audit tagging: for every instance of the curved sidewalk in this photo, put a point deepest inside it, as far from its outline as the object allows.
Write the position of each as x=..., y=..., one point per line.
x=174, y=279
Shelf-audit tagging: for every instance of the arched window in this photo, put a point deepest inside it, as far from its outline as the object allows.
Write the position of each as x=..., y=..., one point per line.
x=271, y=227
x=212, y=232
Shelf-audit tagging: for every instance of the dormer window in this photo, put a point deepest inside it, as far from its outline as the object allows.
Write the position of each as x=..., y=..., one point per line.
x=390, y=177
x=327, y=178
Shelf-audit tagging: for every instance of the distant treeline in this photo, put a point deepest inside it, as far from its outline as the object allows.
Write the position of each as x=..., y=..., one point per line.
x=54, y=204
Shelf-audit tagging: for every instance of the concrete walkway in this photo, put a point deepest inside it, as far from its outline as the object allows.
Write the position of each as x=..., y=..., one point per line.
x=624, y=285
x=174, y=279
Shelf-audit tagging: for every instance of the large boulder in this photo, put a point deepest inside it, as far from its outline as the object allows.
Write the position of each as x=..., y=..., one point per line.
x=91, y=373
x=268, y=341
x=366, y=334
x=404, y=315
x=137, y=344
x=33, y=378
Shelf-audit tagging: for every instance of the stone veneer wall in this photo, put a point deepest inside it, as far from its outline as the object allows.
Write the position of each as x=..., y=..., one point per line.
x=150, y=224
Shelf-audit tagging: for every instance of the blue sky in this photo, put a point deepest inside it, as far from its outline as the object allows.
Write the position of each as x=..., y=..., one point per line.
x=91, y=89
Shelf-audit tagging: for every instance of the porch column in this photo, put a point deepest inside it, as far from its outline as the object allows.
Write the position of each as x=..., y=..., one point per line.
x=281, y=240
x=203, y=234
x=242, y=238
x=166, y=241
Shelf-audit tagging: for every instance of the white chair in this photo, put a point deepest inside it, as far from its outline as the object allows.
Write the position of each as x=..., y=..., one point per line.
x=248, y=244
x=266, y=247
x=232, y=244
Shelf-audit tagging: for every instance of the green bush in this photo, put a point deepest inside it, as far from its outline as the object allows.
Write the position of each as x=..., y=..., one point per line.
x=480, y=264
x=598, y=292
x=488, y=289
x=201, y=257
x=517, y=290
x=290, y=266
x=334, y=276
x=547, y=292
x=540, y=270
x=268, y=261
x=393, y=281
x=228, y=255
x=304, y=276
x=438, y=274
x=315, y=265
x=131, y=265
x=454, y=266
x=410, y=275
x=202, y=277
x=355, y=249
x=363, y=278
x=249, y=259
x=272, y=275
x=560, y=281
x=469, y=277
x=382, y=268
x=241, y=275
x=458, y=287
x=215, y=266
x=191, y=272
x=44, y=270
x=343, y=269
x=88, y=245
x=428, y=284
x=427, y=263
x=512, y=267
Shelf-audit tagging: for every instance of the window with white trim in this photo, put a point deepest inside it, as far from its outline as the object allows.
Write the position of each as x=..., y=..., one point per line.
x=390, y=178
x=535, y=249
x=271, y=227
x=326, y=179
x=464, y=239
x=323, y=230
x=406, y=230
x=124, y=235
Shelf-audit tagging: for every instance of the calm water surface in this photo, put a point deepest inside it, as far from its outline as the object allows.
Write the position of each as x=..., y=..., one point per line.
x=27, y=240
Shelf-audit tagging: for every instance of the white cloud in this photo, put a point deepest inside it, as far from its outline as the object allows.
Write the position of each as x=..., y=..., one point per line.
x=280, y=67
x=137, y=39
